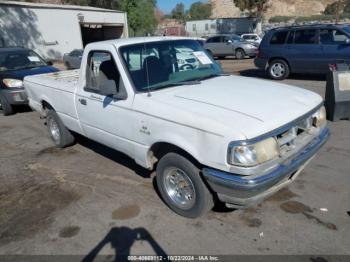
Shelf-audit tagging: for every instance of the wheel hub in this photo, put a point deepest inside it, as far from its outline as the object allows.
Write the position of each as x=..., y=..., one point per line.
x=179, y=188
x=54, y=130
x=278, y=70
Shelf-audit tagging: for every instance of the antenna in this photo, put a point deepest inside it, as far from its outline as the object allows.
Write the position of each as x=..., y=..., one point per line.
x=148, y=89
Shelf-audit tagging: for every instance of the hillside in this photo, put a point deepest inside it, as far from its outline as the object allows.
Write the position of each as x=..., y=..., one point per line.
x=226, y=8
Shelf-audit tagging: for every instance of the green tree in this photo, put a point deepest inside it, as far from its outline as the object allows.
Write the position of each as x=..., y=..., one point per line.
x=199, y=11
x=179, y=13
x=255, y=7
x=141, y=15
x=331, y=9
x=347, y=8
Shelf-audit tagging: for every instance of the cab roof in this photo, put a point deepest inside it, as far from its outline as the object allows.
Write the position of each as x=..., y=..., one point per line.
x=139, y=40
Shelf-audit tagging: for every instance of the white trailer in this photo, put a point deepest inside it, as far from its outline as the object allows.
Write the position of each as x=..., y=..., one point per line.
x=52, y=30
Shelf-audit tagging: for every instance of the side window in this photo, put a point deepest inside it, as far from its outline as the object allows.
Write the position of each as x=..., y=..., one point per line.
x=209, y=40
x=225, y=39
x=279, y=38
x=290, y=38
x=206, y=27
x=332, y=37
x=305, y=37
x=101, y=69
x=215, y=39
x=194, y=27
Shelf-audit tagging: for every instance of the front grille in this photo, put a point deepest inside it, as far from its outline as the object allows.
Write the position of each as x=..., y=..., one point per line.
x=296, y=136
x=191, y=60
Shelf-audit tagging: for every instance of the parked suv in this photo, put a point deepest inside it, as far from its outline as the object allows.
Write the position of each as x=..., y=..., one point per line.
x=228, y=45
x=303, y=49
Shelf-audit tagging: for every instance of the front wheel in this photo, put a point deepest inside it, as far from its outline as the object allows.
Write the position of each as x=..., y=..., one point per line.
x=278, y=69
x=240, y=54
x=60, y=135
x=5, y=107
x=181, y=186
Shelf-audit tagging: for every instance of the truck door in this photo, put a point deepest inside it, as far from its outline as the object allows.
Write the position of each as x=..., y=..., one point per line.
x=104, y=119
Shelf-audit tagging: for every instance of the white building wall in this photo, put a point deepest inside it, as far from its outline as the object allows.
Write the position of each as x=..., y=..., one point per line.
x=201, y=28
x=51, y=32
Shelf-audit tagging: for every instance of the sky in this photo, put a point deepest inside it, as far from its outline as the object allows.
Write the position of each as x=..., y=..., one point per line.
x=167, y=5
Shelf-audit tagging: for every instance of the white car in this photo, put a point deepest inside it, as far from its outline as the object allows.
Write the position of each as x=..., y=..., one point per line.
x=185, y=59
x=72, y=60
x=254, y=38
x=210, y=137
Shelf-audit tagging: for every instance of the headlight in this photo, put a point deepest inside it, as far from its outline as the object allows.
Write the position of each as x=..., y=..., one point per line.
x=320, y=117
x=254, y=154
x=12, y=83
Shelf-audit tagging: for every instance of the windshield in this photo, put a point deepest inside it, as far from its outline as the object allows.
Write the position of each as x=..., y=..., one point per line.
x=347, y=29
x=20, y=60
x=163, y=64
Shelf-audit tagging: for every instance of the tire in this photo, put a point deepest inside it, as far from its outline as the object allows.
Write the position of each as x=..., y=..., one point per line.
x=67, y=65
x=278, y=69
x=6, y=107
x=175, y=172
x=240, y=54
x=59, y=134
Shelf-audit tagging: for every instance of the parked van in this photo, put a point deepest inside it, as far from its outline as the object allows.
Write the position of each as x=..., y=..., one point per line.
x=303, y=49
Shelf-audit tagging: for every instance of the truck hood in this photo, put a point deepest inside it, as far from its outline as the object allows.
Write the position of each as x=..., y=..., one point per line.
x=235, y=104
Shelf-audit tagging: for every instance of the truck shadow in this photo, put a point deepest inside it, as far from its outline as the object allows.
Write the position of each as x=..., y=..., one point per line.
x=121, y=240
x=113, y=155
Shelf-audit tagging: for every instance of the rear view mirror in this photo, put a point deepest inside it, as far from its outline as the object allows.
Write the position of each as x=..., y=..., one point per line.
x=109, y=88
x=229, y=42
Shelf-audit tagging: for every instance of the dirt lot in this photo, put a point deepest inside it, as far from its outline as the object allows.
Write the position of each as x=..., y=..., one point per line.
x=89, y=199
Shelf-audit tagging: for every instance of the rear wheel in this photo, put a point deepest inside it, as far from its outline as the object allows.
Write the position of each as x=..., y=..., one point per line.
x=67, y=65
x=60, y=135
x=240, y=54
x=5, y=107
x=278, y=69
x=181, y=186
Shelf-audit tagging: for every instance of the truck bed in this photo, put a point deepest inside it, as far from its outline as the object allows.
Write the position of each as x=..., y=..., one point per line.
x=63, y=80
x=56, y=89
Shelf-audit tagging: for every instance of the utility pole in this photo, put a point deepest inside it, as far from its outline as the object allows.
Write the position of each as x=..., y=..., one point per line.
x=337, y=14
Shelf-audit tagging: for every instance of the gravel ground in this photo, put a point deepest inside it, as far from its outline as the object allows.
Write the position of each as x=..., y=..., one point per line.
x=89, y=199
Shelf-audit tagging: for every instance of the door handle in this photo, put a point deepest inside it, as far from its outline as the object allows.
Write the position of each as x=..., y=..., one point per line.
x=82, y=101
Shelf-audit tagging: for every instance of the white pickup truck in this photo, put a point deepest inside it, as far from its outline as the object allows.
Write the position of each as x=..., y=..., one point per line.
x=212, y=137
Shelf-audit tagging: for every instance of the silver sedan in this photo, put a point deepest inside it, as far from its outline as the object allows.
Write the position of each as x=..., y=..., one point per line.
x=230, y=45
x=72, y=60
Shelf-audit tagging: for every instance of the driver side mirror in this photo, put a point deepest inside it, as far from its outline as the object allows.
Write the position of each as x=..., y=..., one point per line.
x=229, y=42
x=109, y=88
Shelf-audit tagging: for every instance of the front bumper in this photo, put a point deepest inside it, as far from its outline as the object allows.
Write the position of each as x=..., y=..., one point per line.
x=260, y=63
x=250, y=51
x=242, y=191
x=15, y=96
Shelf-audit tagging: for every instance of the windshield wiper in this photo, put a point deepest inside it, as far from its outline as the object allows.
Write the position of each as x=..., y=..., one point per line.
x=183, y=83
